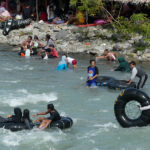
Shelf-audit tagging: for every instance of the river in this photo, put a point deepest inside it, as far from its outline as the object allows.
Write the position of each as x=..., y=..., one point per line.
x=33, y=83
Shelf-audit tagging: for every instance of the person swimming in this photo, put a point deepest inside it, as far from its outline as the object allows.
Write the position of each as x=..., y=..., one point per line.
x=110, y=56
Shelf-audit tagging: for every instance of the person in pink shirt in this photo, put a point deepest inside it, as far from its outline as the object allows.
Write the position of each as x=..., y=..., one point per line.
x=53, y=53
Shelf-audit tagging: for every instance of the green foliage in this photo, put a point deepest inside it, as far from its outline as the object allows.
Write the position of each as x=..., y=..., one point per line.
x=138, y=23
x=90, y=6
x=141, y=48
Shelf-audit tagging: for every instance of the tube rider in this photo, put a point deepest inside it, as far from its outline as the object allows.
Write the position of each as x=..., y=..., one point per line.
x=136, y=71
x=92, y=74
x=45, y=122
x=16, y=118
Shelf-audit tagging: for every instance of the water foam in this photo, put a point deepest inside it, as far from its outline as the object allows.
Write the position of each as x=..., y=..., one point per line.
x=107, y=125
x=24, y=137
x=29, y=98
x=16, y=81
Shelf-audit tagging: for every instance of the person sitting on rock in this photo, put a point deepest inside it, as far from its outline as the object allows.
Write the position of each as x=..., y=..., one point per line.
x=4, y=14
x=137, y=72
x=76, y=20
x=123, y=65
x=45, y=122
x=92, y=74
x=110, y=56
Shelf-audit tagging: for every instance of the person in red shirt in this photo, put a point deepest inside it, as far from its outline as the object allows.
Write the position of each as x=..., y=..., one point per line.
x=43, y=15
x=53, y=53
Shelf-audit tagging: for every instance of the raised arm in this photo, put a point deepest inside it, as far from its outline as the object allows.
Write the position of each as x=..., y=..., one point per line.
x=101, y=57
x=42, y=113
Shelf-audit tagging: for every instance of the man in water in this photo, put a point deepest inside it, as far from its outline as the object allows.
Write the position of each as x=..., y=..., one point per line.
x=108, y=55
x=136, y=71
x=92, y=74
x=45, y=122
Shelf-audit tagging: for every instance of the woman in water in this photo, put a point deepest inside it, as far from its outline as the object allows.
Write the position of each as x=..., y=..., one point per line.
x=16, y=118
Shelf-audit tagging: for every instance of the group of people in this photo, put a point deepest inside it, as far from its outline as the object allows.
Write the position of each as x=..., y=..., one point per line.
x=124, y=66
x=41, y=122
x=29, y=47
x=18, y=117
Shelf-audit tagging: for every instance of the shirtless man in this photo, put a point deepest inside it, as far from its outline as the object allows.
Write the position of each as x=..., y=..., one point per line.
x=107, y=55
x=27, y=42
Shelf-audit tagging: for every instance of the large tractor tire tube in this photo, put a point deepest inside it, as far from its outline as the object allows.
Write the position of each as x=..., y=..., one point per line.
x=13, y=24
x=139, y=99
x=121, y=84
x=104, y=80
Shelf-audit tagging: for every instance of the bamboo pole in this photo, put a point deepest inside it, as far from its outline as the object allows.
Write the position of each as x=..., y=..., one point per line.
x=37, y=13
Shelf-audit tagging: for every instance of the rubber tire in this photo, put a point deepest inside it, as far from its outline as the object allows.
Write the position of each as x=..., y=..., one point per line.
x=64, y=123
x=119, y=108
x=120, y=84
x=104, y=80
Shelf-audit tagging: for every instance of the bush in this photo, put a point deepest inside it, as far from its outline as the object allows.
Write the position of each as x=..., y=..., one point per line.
x=137, y=23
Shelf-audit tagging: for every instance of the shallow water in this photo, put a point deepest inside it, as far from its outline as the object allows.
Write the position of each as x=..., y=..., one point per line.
x=32, y=83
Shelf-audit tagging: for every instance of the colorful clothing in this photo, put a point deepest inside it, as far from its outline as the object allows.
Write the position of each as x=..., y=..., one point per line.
x=91, y=73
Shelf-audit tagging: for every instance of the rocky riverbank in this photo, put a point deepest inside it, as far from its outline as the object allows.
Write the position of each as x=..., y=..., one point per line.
x=72, y=39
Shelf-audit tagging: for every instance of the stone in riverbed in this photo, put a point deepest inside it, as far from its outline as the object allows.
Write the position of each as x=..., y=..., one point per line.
x=65, y=35
x=146, y=55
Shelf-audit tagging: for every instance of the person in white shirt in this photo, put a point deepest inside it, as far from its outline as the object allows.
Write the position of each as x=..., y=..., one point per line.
x=137, y=72
x=50, y=13
x=71, y=61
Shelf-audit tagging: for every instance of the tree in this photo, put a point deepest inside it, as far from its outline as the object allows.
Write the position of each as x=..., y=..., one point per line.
x=91, y=7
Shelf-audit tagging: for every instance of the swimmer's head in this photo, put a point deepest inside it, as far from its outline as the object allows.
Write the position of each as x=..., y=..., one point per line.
x=92, y=62
x=50, y=107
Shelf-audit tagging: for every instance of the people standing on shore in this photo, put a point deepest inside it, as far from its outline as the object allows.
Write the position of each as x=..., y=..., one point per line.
x=137, y=72
x=110, y=56
x=92, y=74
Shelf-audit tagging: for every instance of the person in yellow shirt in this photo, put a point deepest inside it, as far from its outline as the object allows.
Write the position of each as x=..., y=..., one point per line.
x=78, y=19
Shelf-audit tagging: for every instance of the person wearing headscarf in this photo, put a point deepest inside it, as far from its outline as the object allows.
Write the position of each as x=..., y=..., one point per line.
x=16, y=118
x=62, y=64
x=123, y=65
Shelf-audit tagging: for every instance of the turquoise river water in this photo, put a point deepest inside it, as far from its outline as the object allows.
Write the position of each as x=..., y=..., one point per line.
x=33, y=83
